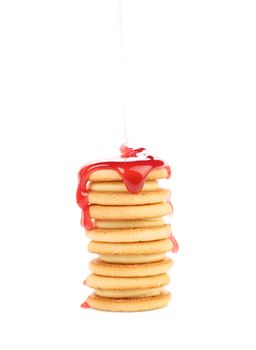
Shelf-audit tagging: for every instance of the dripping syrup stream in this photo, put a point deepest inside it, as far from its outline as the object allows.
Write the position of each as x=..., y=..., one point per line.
x=122, y=73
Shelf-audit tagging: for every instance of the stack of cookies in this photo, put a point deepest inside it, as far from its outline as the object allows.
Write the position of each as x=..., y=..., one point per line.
x=131, y=239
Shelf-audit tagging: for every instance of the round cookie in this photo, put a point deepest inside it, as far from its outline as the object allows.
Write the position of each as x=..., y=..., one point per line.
x=119, y=186
x=129, y=223
x=130, y=212
x=126, y=198
x=133, y=248
x=132, y=259
x=125, y=283
x=129, y=305
x=102, y=268
x=130, y=234
x=112, y=175
x=133, y=293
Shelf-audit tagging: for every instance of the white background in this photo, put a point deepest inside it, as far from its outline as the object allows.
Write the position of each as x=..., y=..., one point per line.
x=190, y=93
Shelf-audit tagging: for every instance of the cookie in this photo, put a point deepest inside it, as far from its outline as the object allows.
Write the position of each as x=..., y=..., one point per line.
x=132, y=259
x=129, y=305
x=130, y=234
x=112, y=175
x=126, y=198
x=126, y=283
x=102, y=268
x=130, y=212
x=119, y=186
x=129, y=223
x=132, y=248
x=133, y=293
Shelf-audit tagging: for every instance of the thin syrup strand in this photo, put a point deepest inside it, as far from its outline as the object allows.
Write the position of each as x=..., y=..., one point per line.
x=122, y=73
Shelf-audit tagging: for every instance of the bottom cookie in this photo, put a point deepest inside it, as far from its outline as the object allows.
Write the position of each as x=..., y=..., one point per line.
x=129, y=305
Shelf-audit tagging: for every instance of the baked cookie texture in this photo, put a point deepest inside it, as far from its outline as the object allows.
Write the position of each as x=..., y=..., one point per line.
x=131, y=239
x=129, y=304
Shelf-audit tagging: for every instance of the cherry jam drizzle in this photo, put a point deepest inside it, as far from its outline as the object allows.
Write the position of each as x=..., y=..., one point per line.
x=133, y=168
x=85, y=305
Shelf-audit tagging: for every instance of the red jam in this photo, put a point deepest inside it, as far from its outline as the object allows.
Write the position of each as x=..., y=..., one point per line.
x=85, y=305
x=133, y=168
x=175, y=247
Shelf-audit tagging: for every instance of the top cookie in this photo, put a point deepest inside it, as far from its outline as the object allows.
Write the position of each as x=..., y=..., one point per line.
x=112, y=175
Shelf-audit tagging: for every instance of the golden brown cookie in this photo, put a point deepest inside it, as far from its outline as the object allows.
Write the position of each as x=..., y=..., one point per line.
x=102, y=268
x=130, y=234
x=133, y=293
x=119, y=186
x=129, y=223
x=129, y=305
x=133, y=248
x=130, y=212
x=112, y=175
x=125, y=283
x=126, y=198
x=132, y=259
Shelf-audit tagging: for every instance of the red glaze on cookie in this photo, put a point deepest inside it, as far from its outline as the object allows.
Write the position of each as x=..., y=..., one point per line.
x=133, y=168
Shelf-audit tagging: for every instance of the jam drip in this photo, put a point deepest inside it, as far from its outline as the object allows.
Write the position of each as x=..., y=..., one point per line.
x=133, y=168
x=175, y=244
x=85, y=305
